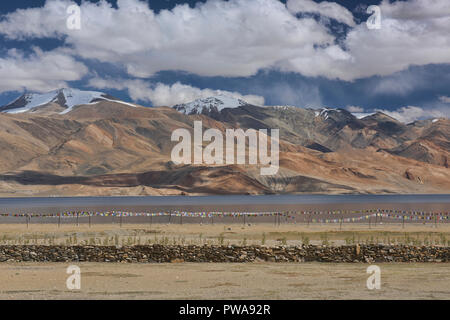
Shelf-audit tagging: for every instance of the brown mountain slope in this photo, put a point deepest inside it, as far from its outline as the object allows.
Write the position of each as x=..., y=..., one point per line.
x=338, y=130
x=110, y=148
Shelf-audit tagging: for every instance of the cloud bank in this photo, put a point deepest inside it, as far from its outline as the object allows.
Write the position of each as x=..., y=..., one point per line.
x=167, y=95
x=235, y=38
x=444, y=99
x=39, y=71
x=240, y=37
x=411, y=113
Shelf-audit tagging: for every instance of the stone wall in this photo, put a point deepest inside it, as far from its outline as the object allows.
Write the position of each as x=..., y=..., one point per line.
x=178, y=253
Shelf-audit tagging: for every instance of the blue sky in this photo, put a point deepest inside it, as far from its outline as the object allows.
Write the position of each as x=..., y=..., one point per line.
x=298, y=52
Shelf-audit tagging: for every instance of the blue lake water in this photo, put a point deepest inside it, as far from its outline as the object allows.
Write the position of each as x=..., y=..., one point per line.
x=229, y=200
x=244, y=203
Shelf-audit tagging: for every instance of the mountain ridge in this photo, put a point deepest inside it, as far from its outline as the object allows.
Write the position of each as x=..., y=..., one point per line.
x=111, y=148
x=65, y=97
x=210, y=104
x=205, y=105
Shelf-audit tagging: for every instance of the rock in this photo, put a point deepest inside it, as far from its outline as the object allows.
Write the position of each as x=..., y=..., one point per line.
x=212, y=253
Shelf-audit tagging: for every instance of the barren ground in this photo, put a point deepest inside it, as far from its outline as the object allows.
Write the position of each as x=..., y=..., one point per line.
x=258, y=234
x=218, y=280
x=224, y=281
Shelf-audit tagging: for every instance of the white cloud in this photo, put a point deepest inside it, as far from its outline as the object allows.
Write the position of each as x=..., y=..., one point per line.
x=400, y=83
x=39, y=22
x=412, y=32
x=409, y=35
x=39, y=71
x=444, y=99
x=354, y=109
x=167, y=95
x=228, y=38
x=324, y=8
x=411, y=113
x=416, y=9
x=303, y=95
x=241, y=37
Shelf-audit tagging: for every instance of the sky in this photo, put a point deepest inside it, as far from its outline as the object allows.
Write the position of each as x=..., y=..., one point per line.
x=302, y=53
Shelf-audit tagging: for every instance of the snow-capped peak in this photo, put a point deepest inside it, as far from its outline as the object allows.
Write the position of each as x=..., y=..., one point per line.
x=214, y=103
x=325, y=112
x=66, y=97
x=285, y=107
x=362, y=115
x=76, y=97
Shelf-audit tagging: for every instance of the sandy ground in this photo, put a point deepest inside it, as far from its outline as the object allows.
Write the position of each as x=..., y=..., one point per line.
x=224, y=281
x=291, y=234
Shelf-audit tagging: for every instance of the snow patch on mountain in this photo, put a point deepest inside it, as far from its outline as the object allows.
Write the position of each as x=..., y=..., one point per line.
x=30, y=101
x=282, y=107
x=76, y=97
x=362, y=115
x=325, y=112
x=217, y=103
x=117, y=101
x=66, y=97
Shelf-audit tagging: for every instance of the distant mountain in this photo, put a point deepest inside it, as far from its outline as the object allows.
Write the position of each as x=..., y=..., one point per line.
x=65, y=98
x=337, y=130
x=430, y=144
x=210, y=105
x=105, y=146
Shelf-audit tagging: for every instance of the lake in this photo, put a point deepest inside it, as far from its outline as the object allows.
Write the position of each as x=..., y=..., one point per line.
x=238, y=202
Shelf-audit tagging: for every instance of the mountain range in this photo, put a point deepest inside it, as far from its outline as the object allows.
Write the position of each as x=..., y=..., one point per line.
x=70, y=142
x=65, y=99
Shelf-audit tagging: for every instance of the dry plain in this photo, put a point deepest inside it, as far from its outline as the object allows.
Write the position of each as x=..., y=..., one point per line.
x=258, y=280
x=237, y=234
x=224, y=281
